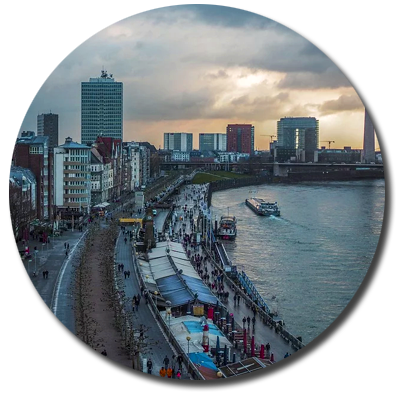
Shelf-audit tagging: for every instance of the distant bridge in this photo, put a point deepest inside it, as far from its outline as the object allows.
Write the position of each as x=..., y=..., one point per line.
x=277, y=169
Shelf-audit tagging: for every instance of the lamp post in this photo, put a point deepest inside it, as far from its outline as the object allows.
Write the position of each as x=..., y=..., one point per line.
x=188, y=340
x=36, y=252
x=156, y=293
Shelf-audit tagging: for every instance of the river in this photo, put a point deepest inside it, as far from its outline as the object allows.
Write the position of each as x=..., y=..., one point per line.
x=309, y=262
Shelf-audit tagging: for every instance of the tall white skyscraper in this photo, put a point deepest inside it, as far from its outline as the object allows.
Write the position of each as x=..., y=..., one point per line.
x=180, y=141
x=101, y=108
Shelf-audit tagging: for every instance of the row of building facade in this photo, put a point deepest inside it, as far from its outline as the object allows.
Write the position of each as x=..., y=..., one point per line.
x=71, y=178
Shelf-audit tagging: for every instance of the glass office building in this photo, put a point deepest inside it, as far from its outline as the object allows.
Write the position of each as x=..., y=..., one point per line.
x=300, y=133
x=180, y=141
x=212, y=142
x=101, y=108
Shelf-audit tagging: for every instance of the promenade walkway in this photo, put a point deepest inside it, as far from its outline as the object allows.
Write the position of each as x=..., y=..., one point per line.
x=158, y=345
x=262, y=333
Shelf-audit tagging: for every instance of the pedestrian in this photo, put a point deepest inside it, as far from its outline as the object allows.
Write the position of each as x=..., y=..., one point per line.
x=238, y=298
x=137, y=302
x=272, y=358
x=149, y=366
x=66, y=253
x=234, y=299
x=248, y=322
x=253, y=320
x=47, y=274
x=133, y=303
x=163, y=372
x=128, y=273
x=104, y=352
x=286, y=355
x=178, y=374
x=166, y=361
x=44, y=274
x=244, y=322
x=125, y=273
x=67, y=246
x=180, y=361
x=169, y=372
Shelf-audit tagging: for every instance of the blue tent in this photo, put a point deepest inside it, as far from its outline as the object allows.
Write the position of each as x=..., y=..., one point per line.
x=203, y=360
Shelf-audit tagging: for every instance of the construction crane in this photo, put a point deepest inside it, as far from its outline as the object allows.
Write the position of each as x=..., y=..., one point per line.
x=328, y=141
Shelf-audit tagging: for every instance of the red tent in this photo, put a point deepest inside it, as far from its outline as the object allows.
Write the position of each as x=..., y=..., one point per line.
x=262, y=350
x=252, y=346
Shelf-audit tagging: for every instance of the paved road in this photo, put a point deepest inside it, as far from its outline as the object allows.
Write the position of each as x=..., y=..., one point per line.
x=52, y=258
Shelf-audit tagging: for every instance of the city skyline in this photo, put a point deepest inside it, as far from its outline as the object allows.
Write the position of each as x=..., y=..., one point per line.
x=227, y=66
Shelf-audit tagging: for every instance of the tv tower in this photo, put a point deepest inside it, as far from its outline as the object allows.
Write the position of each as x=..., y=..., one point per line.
x=369, y=134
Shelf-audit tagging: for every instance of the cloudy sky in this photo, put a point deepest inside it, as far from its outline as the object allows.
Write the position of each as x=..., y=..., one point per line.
x=197, y=68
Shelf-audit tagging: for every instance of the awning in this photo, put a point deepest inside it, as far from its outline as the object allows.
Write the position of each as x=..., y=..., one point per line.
x=173, y=289
x=197, y=286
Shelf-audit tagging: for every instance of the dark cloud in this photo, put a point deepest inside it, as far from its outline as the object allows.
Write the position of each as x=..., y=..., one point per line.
x=343, y=103
x=177, y=63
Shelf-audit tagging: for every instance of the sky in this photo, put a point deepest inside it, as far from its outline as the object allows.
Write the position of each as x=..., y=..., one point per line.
x=197, y=68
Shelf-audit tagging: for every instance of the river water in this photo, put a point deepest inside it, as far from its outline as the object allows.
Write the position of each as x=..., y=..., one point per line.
x=308, y=263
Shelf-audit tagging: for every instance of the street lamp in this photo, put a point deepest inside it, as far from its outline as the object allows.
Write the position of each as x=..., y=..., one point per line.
x=156, y=293
x=36, y=252
x=188, y=340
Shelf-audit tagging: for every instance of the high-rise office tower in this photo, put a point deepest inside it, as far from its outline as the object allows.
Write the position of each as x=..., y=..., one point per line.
x=180, y=141
x=101, y=108
x=212, y=141
x=240, y=138
x=369, y=140
x=299, y=133
x=47, y=125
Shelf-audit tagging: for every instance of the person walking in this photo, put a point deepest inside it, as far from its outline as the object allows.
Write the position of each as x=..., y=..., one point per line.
x=248, y=323
x=166, y=361
x=178, y=374
x=253, y=320
x=180, y=361
x=149, y=366
x=133, y=303
x=125, y=273
x=244, y=323
x=163, y=372
x=128, y=273
x=169, y=372
x=137, y=302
